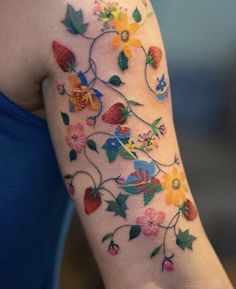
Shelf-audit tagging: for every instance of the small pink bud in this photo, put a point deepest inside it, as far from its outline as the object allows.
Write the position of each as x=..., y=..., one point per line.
x=90, y=122
x=113, y=249
x=61, y=89
x=169, y=266
x=121, y=180
x=71, y=189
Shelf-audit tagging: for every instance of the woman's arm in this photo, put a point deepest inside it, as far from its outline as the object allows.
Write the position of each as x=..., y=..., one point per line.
x=109, y=110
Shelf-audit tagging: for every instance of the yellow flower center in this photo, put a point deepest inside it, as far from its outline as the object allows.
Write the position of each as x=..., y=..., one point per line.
x=125, y=36
x=176, y=184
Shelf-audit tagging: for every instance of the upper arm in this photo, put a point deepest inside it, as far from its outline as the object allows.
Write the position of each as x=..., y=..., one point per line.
x=108, y=106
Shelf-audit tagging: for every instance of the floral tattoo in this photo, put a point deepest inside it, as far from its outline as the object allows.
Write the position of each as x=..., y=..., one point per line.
x=148, y=178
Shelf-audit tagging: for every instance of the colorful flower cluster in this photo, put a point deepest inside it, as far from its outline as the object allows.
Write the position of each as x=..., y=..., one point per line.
x=148, y=140
x=107, y=11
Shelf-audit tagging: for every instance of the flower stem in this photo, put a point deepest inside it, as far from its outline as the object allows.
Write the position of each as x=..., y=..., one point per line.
x=169, y=226
x=118, y=228
x=108, y=191
x=83, y=172
x=93, y=164
x=145, y=71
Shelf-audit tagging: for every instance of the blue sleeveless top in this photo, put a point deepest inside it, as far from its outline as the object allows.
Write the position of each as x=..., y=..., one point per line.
x=34, y=205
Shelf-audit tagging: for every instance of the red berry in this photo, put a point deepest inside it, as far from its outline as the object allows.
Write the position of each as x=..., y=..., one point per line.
x=155, y=55
x=92, y=201
x=169, y=266
x=64, y=57
x=71, y=189
x=116, y=114
x=190, y=212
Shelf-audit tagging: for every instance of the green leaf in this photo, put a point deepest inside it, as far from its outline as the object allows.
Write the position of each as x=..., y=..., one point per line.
x=65, y=118
x=156, y=251
x=156, y=122
x=106, y=237
x=137, y=15
x=92, y=145
x=148, y=197
x=111, y=154
x=123, y=61
x=185, y=240
x=134, y=103
x=74, y=21
x=68, y=177
x=126, y=154
x=115, y=80
x=134, y=232
x=73, y=155
x=118, y=206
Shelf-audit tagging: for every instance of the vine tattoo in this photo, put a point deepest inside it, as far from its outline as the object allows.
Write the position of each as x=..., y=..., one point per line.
x=148, y=178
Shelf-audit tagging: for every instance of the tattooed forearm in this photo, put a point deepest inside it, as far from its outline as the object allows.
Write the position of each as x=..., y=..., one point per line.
x=150, y=177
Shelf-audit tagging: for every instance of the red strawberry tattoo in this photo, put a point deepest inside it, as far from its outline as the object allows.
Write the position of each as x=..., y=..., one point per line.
x=154, y=56
x=92, y=201
x=189, y=211
x=116, y=114
x=64, y=57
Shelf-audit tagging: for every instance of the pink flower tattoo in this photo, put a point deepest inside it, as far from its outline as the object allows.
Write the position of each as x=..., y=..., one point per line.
x=150, y=222
x=76, y=137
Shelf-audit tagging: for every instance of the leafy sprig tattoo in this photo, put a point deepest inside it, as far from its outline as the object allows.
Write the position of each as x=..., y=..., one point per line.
x=149, y=177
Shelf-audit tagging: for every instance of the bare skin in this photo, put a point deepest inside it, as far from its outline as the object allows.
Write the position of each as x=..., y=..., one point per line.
x=29, y=76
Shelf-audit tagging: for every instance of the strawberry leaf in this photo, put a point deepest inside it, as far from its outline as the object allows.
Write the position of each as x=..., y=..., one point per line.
x=134, y=232
x=137, y=15
x=115, y=80
x=92, y=145
x=106, y=237
x=65, y=118
x=123, y=61
x=156, y=122
x=156, y=251
x=73, y=155
x=68, y=177
x=134, y=103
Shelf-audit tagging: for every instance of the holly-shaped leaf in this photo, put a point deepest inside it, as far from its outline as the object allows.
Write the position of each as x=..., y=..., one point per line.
x=92, y=145
x=118, y=206
x=123, y=61
x=156, y=251
x=137, y=15
x=74, y=21
x=134, y=232
x=185, y=240
x=73, y=155
x=65, y=118
x=115, y=80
